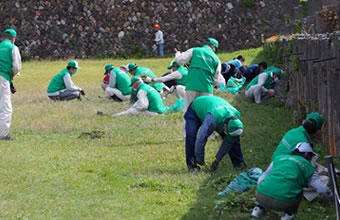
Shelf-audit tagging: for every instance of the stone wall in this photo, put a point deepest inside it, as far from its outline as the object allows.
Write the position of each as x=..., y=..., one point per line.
x=95, y=28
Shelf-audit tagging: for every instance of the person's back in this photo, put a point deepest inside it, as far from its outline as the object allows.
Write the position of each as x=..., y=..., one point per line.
x=184, y=72
x=289, y=175
x=202, y=69
x=144, y=71
x=6, y=48
x=154, y=98
x=57, y=82
x=123, y=81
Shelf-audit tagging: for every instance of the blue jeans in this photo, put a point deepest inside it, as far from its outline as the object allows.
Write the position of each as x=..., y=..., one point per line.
x=160, y=50
x=233, y=148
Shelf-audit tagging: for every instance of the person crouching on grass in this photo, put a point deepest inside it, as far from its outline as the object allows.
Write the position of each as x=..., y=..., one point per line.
x=281, y=190
x=61, y=86
x=149, y=101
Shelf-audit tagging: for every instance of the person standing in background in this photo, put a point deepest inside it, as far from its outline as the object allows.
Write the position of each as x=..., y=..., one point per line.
x=159, y=40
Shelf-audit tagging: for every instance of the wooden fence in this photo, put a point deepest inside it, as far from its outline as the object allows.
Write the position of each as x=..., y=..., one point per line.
x=314, y=82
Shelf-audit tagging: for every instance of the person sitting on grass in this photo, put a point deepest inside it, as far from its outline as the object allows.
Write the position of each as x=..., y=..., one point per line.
x=281, y=190
x=149, y=101
x=262, y=85
x=119, y=86
x=178, y=74
x=232, y=68
x=205, y=115
x=61, y=86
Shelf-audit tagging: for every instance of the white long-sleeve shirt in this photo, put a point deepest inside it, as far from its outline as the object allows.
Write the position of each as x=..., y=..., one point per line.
x=141, y=105
x=16, y=61
x=185, y=57
x=172, y=76
x=159, y=37
x=69, y=83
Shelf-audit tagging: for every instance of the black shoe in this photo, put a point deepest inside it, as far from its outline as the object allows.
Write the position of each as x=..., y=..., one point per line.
x=194, y=169
x=214, y=166
x=242, y=166
x=6, y=138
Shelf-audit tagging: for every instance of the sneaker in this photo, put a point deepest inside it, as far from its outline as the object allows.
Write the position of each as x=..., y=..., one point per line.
x=258, y=212
x=6, y=138
x=214, y=166
x=287, y=216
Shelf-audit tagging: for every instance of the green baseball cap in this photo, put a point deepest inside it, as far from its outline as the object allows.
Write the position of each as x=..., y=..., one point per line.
x=135, y=79
x=73, y=63
x=108, y=67
x=235, y=127
x=132, y=66
x=9, y=32
x=172, y=64
x=275, y=70
x=212, y=41
x=317, y=118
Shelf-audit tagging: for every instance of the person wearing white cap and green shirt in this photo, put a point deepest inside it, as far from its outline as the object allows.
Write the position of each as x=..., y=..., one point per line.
x=204, y=70
x=262, y=85
x=149, y=101
x=10, y=66
x=61, y=86
x=178, y=74
x=281, y=190
x=205, y=115
x=119, y=87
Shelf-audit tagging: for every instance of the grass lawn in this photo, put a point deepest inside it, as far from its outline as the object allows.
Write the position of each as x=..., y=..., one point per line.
x=135, y=169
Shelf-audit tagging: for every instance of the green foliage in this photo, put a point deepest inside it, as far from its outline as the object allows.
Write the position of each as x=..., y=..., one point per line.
x=249, y=3
x=276, y=52
x=297, y=26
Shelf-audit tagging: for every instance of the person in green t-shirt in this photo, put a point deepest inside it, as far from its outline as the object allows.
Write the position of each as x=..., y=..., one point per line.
x=61, y=86
x=119, y=85
x=262, y=86
x=10, y=66
x=149, y=101
x=205, y=115
x=282, y=188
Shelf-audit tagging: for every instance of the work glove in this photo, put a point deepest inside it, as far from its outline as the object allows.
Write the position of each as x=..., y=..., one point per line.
x=147, y=79
x=82, y=92
x=13, y=90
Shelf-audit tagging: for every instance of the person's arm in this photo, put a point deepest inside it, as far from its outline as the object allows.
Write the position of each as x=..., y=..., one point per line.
x=69, y=83
x=262, y=79
x=112, y=81
x=16, y=61
x=159, y=37
x=183, y=58
x=172, y=76
x=265, y=173
x=207, y=128
x=218, y=78
x=141, y=105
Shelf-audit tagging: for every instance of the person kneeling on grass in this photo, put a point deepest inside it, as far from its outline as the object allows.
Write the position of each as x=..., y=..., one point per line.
x=119, y=86
x=262, y=86
x=281, y=190
x=149, y=101
x=205, y=115
x=61, y=86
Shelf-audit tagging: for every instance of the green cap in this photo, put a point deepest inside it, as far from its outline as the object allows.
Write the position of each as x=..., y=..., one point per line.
x=235, y=127
x=275, y=70
x=9, y=32
x=135, y=79
x=172, y=64
x=132, y=66
x=73, y=63
x=317, y=118
x=108, y=67
x=212, y=41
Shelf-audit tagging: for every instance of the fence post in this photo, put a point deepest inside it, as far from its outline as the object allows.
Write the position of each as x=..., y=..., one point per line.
x=333, y=183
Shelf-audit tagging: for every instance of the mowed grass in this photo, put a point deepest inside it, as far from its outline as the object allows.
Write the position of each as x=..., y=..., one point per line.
x=135, y=169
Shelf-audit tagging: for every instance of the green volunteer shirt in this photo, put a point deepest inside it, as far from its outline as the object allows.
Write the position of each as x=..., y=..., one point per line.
x=268, y=83
x=218, y=107
x=57, y=82
x=155, y=99
x=202, y=70
x=290, y=173
x=184, y=72
x=6, y=48
x=143, y=71
x=290, y=140
x=123, y=81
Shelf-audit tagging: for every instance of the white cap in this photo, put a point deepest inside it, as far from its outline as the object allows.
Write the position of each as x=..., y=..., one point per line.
x=304, y=147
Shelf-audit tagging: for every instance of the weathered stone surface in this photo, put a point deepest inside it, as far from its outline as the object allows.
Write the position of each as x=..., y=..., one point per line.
x=61, y=29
